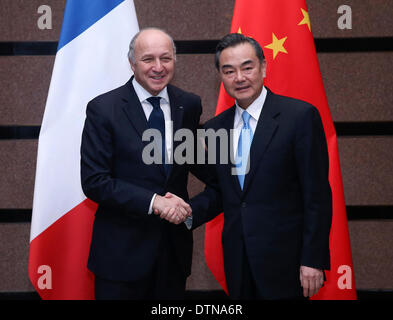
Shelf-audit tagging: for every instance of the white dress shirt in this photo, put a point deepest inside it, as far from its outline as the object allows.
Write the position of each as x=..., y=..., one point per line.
x=254, y=109
x=165, y=107
x=142, y=95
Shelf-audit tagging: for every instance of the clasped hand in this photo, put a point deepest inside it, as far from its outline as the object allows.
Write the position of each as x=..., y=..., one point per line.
x=172, y=208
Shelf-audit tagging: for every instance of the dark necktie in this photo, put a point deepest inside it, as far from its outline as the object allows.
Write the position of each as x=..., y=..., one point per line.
x=157, y=121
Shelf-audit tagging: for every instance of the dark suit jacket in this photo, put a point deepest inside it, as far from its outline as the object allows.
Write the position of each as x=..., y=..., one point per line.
x=283, y=215
x=126, y=240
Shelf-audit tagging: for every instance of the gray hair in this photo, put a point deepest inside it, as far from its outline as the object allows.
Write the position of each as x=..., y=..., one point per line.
x=131, y=51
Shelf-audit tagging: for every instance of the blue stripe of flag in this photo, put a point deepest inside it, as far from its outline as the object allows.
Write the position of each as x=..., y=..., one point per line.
x=79, y=15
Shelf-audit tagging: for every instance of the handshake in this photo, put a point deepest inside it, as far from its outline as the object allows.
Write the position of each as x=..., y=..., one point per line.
x=171, y=208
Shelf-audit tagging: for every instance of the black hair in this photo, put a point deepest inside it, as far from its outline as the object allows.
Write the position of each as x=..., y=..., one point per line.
x=234, y=39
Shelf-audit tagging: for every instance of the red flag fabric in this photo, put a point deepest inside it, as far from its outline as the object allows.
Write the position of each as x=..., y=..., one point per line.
x=282, y=28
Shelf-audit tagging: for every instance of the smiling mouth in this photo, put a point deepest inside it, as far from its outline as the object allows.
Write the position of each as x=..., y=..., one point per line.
x=242, y=88
x=157, y=77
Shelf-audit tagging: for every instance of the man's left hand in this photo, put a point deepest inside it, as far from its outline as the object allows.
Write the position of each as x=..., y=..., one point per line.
x=311, y=280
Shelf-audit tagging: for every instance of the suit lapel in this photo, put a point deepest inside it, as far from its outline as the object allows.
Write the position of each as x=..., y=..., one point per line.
x=133, y=108
x=266, y=127
x=227, y=124
x=135, y=114
x=177, y=112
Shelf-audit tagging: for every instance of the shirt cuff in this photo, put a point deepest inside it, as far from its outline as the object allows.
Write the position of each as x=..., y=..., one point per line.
x=151, y=204
x=188, y=223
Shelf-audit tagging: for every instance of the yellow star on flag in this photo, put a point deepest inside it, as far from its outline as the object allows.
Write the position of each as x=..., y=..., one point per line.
x=306, y=19
x=277, y=46
x=239, y=31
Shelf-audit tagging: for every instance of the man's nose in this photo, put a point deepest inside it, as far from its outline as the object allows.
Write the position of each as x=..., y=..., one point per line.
x=239, y=77
x=157, y=67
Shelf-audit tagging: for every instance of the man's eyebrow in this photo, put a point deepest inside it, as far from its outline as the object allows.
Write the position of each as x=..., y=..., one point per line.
x=226, y=66
x=149, y=55
x=242, y=65
x=146, y=55
x=246, y=62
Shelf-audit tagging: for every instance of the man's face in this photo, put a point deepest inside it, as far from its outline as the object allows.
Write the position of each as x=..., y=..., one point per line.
x=242, y=73
x=154, y=60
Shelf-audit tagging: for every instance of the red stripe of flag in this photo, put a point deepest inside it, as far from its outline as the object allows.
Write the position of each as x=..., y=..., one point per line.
x=58, y=256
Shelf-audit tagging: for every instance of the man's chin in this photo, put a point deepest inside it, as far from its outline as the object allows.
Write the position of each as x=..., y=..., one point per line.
x=157, y=87
x=154, y=90
x=242, y=97
x=244, y=102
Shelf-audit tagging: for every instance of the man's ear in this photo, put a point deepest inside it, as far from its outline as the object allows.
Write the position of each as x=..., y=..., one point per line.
x=263, y=66
x=132, y=66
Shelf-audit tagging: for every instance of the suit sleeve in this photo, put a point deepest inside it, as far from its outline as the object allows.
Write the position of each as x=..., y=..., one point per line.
x=313, y=168
x=98, y=183
x=199, y=170
x=206, y=205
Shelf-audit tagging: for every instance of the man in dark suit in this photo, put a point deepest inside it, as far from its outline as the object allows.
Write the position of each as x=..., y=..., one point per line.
x=134, y=254
x=278, y=207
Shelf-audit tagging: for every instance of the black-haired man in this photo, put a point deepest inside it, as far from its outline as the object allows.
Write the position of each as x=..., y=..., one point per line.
x=278, y=211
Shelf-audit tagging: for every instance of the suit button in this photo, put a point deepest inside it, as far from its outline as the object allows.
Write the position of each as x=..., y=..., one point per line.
x=244, y=205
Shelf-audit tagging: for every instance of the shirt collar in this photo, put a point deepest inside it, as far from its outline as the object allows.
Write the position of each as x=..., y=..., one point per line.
x=143, y=94
x=254, y=109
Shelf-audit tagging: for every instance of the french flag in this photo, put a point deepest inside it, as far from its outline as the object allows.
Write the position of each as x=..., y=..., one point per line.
x=91, y=59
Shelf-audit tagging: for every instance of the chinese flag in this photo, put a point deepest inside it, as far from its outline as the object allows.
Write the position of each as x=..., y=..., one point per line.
x=282, y=28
